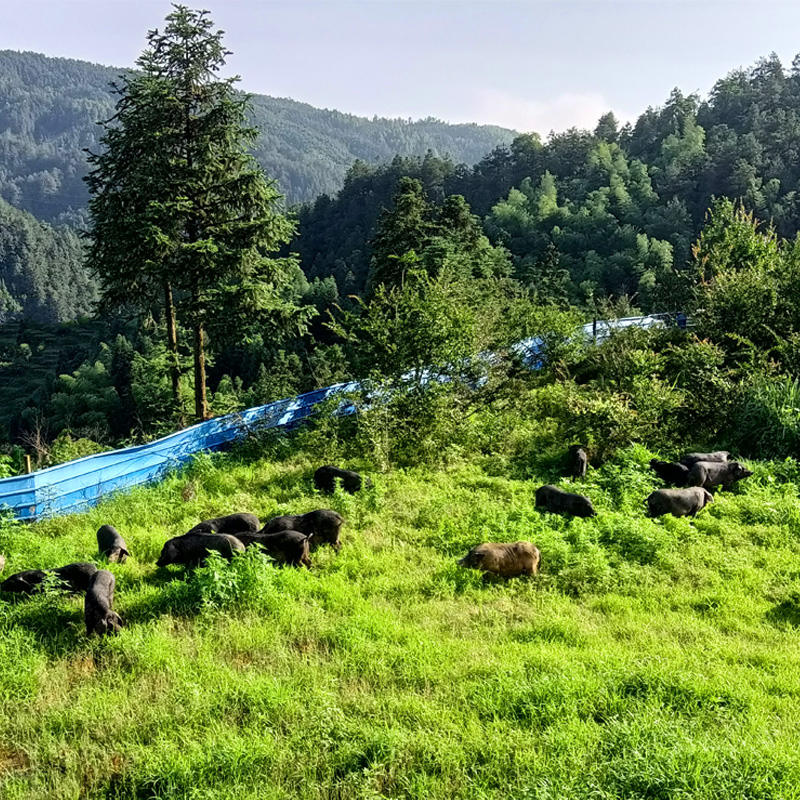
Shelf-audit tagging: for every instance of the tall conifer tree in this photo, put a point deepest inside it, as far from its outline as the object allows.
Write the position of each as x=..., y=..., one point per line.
x=179, y=208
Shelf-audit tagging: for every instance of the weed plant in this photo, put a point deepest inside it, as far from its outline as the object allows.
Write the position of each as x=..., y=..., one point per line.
x=649, y=659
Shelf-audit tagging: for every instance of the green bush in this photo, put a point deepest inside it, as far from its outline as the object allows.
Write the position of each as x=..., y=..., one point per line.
x=66, y=448
x=244, y=581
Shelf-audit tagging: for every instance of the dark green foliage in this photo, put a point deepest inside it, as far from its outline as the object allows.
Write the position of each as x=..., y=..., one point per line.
x=42, y=275
x=335, y=233
x=51, y=106
x=598, y=231
x=746, y=281
x=447, y=237
x=616, y=209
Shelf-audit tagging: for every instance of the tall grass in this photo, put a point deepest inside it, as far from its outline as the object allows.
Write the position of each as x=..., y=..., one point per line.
x=768, y=419
x=650, y=659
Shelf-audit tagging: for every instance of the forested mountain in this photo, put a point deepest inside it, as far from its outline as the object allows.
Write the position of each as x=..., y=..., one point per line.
x=49, y=107
x=42, y=272
x=603, y=212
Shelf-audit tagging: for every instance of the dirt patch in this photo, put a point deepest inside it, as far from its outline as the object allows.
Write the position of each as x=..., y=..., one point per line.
x=12, y=759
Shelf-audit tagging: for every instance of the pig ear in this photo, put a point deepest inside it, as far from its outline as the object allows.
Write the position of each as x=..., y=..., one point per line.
x=100, y=627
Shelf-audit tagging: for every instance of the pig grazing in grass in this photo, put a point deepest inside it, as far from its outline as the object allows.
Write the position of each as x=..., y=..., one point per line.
x=111, y=544
x=231, y=524
x=191, y=549
x=323, y=524
x=678, y=502
x=25, y=582
x=713, y=473
x=286, y=547
x=72, y=577
x=669, y=472
x=507, y=560
x=325, y=479
x=557, y=501
x=98, y=610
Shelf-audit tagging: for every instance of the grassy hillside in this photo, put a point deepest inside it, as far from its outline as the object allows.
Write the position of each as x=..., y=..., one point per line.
x=649, y=659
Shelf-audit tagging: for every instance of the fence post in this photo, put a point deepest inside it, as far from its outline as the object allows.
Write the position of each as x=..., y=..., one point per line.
x=594, y=331
x=28, y=468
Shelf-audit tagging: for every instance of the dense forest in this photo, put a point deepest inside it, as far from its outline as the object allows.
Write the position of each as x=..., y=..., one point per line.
x=42, y=272
x=610, y=211
x=594, y=223
x=49, y=109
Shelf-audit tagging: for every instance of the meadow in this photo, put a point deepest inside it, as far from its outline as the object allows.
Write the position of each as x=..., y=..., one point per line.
x=649, y=659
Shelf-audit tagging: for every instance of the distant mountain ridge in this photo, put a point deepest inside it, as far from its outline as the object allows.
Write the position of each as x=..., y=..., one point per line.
x=49, y=108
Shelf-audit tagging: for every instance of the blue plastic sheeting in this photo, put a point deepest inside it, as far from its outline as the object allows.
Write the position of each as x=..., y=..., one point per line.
x=77, y=485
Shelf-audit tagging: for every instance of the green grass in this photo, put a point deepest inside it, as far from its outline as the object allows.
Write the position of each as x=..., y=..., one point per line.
x=650, y=659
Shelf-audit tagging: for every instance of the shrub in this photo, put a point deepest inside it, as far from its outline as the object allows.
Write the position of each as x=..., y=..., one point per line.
x=220, y=584
x=66, y=448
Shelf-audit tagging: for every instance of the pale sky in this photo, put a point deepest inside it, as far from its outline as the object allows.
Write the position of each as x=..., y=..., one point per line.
x=526, y=64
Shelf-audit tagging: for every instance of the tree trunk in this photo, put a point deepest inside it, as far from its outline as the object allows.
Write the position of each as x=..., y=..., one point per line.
x=172, y=344
x=200, y=402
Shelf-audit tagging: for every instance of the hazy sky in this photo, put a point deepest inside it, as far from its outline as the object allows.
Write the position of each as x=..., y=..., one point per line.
x=525, y=64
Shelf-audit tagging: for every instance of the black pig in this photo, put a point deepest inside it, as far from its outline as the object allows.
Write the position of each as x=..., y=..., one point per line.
x=325, y=479
x=669, y=472
x=286, y=547
x=323, y=524
x=557, y=501
x=191, y=549
x=713, y=473
x=678, y=502
x=111, y=544
x=98, y=613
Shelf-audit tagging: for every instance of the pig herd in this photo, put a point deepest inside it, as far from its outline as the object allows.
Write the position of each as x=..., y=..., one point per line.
x=290, y=539
x=693, y=476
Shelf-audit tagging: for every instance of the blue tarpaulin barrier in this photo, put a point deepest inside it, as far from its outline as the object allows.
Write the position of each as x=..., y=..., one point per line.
x=77, y=485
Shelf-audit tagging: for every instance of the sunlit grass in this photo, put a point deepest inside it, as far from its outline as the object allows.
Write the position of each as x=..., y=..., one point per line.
x=651, y=658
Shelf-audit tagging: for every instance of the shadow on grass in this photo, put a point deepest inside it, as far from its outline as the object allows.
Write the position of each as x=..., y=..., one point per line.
x=56, y=621
x=785, y=614
x=177, y=595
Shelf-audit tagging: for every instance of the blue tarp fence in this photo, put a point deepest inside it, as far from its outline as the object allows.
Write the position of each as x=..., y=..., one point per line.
x=78, y=485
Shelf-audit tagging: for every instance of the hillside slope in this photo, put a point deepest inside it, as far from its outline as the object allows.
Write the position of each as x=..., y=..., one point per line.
x=41, y=270
x=651, y=658
x=49, y=108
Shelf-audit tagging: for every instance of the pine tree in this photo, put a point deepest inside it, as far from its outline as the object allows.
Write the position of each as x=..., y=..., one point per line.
x=179, y=207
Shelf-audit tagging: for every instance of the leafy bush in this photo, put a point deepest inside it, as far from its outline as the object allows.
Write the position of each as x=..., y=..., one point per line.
x=246, y=579
x=66, y=448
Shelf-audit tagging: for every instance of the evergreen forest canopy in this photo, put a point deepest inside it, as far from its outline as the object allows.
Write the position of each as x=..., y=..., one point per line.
x=599, y=222
x=50, y=107
x=591, y=213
